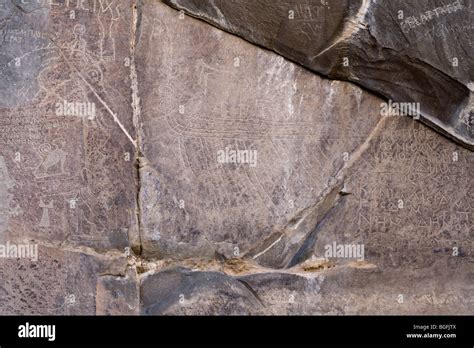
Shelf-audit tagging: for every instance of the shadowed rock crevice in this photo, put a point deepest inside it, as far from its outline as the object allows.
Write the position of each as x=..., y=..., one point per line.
x=134, y=37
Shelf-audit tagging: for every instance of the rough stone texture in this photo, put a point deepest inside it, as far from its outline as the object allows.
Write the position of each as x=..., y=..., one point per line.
x=395, y=48
x=118, y=294
x=64, y=182
x=131, y=210
x=60, y=282
x=181, y=291
x=265, y=104
x=68, y=180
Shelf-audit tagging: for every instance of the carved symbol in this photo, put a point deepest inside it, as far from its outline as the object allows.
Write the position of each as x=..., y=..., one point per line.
x=45, y=217
x=78, y=43
x=52, y=163
x=108, y=18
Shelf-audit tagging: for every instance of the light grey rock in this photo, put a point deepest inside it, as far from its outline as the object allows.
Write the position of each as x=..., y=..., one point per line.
x=203, y=93
x=406, y=52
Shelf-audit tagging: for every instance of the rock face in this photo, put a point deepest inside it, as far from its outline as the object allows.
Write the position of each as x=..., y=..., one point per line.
x=240, y=98
x=67, y=173
x=406, y=52
x=153, y=164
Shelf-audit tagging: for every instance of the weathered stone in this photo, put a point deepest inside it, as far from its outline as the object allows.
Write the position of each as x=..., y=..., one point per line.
x=396, y=157
x=204, y=92
x=414, y=222
x=406, y=205
x=352, y=289
x=59, y=282
x=407, y=52
x=118, y=295
x=67, y=171
x=181, y=291
x=68, y=166
x=134, y=201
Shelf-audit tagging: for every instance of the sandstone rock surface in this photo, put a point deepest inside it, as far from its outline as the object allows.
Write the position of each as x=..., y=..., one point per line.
x=162, y=166
x=413, y=52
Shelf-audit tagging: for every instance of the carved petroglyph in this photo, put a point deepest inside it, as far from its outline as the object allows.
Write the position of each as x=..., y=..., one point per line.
x=108, y=16
x=46, y=207
x=239, y=99
x=149, y=148
x=399, y=34
x=52, y=163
